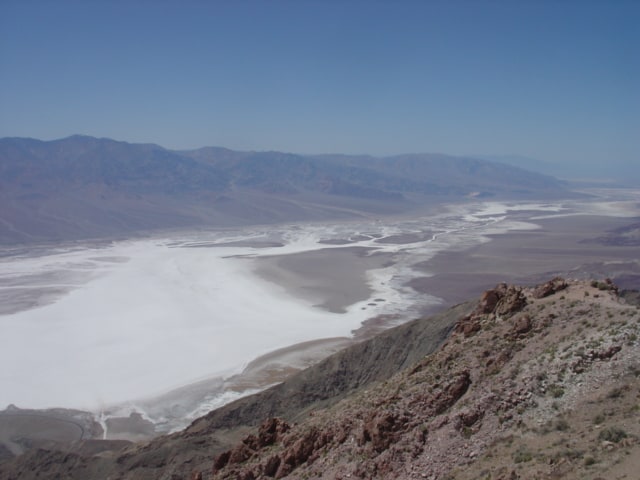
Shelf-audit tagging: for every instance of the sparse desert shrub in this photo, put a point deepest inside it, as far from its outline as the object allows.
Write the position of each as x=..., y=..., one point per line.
x=612, y=434
x=522, y=456
x=562, y=373
x=598, y=419
x=567, y=453
x=588, y=461
x=544, y=430
x=616, y=392
x=486, y=475
x=562, y=425
x=634, y=370
x=555, y=390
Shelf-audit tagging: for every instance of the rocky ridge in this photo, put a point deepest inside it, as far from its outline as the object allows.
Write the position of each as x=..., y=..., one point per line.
x=532, y=383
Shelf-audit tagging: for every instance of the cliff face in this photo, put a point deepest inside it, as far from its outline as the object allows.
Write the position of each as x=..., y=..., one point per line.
x=529, y=383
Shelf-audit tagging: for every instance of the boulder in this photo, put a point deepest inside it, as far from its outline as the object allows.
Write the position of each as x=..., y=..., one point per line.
x=549, y=288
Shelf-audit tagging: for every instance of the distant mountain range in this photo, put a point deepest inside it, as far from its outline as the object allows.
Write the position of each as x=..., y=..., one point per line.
x=83, y=187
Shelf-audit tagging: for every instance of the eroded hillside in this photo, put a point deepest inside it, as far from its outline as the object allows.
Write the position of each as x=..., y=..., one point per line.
x=535, y=383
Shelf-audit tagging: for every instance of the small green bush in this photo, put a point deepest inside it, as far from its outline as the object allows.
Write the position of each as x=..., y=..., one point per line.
x=612, y=434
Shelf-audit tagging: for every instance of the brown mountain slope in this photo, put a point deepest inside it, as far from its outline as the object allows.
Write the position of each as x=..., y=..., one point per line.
x=526, y=387
x=533, y=383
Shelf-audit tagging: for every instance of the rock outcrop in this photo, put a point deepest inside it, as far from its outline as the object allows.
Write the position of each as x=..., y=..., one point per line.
x=549, y=288
x=503, y=300
x=481, y=401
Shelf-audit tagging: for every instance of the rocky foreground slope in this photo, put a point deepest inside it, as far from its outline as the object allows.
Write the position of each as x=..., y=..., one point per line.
x=532, y=383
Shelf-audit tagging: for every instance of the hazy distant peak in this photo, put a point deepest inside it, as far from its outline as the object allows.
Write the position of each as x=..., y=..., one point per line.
x=82, y=186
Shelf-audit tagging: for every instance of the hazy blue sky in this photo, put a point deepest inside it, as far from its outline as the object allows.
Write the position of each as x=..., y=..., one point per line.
x=554, y=80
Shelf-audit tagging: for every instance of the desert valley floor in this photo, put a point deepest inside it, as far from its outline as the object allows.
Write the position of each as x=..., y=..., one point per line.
x=173, y=325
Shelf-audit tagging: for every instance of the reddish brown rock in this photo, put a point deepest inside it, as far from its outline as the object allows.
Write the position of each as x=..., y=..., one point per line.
x=379, y=430
x=455, y=389
x=549, y=288
x=272, y=465
x=239, y=454
x=467, y=418
x=468, y=325
x=502, y=300
x=488, y=301
x=607, y=353
x=522, y=325
x=511, y=302
x=221, y=461
x=269, y=433
x=495, y=363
